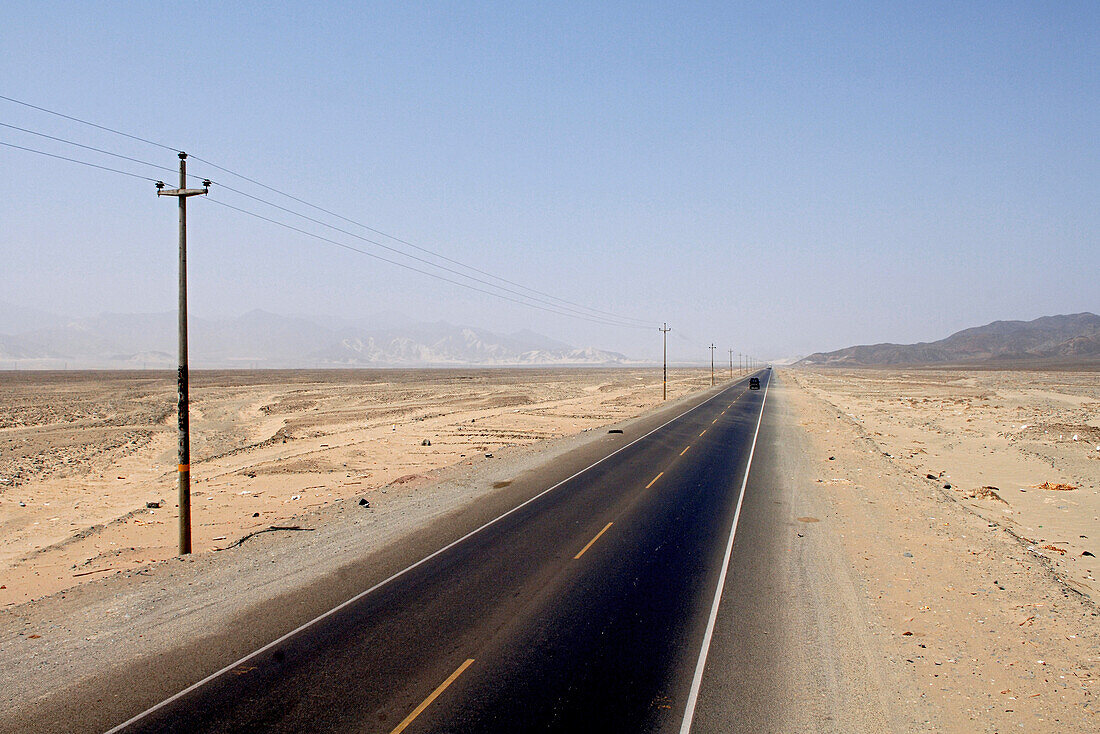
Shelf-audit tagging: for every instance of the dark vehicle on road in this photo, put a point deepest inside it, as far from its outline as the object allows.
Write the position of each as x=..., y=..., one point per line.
x=754, y=383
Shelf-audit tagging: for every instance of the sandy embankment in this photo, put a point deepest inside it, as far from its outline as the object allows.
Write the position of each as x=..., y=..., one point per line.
x=984, y=609
x=81, y=454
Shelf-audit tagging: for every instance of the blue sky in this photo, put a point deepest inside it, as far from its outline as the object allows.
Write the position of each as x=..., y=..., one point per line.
x=777, y=180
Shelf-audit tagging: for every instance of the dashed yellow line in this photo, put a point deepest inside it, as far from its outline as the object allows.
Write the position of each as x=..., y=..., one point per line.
x=714, y=421
x=704, y=431
x=685, y=450
x=605, y=527
x=654, y=480
x=428, y=701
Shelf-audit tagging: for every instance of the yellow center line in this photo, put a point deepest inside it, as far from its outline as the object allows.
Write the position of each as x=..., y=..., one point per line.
x=714, y=421
x=704, y=431
x=435, y=694
x=685, y=450
x=605, y=527
x=654, y=479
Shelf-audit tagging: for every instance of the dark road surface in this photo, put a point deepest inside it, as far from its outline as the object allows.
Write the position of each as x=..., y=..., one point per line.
x=586, y=607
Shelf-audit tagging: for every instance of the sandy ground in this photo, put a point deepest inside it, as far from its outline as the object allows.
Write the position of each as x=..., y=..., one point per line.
x=983, y=612
x=83, y=454
x=999, y=441
x=954, y=604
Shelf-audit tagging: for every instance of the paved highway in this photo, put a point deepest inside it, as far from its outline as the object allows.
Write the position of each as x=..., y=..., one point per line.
x=590, y=605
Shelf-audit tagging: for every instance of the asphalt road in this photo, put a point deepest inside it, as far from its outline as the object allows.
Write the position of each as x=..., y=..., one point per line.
x=586, y=606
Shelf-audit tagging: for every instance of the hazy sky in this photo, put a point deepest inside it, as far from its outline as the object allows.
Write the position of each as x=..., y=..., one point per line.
x=778, y=181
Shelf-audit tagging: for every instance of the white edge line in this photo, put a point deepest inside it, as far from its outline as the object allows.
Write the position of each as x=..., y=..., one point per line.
x=405, y=570
x=697, y=679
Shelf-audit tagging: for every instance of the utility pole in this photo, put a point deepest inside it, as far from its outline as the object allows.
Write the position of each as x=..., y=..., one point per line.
x=712, y=348
x=731, y=364
x=184, y=467
x=664, y=381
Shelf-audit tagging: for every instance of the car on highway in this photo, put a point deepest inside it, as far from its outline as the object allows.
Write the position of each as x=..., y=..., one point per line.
x=754, y=383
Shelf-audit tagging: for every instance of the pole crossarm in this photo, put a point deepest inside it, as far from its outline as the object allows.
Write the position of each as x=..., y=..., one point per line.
x=182, y=192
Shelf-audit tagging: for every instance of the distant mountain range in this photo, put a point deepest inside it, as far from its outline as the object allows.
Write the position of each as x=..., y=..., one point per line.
x=1071, y=338
x=259, y=339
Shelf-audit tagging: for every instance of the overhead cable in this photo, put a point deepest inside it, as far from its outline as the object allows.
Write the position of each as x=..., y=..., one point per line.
x=416, y=269
x=313, y=220
x=74, y=160
x=588, y=309
x=92, y=124
x=610, y=318
x=88, y=147
x=410, y=244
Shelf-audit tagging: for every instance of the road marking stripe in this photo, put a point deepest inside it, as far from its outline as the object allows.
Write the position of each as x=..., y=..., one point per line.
x=704, y=431
x=398, y=574
x=714, y=421
x=605, y=527
x=428, y=701
x=697, y=679
x=685, y=450
x=654, y=480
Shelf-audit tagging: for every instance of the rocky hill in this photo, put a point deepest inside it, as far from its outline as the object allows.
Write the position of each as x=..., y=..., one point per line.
x=1051, y=339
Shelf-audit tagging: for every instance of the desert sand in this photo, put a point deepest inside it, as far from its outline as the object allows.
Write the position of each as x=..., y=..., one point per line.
x=1020, y=448
x=981, y=605
x=971, y=613
x=82, y=455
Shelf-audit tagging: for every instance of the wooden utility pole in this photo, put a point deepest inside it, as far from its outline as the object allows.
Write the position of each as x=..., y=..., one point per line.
x=712, y=348
x=731, y=364
x=184, y=466
x=664, y=380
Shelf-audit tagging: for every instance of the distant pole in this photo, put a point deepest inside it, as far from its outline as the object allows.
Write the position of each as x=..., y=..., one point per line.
x=712, y=348
x=184, y=466
x=664, y=381
x=731, y=364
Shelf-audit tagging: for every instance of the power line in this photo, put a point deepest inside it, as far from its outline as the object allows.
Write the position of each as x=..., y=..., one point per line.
x=409, y=244
x=594, y=311
x=570, y=313
x=88, y=147
x=303, y=216
x=74, y=160
x=428, y=273
x=607, y=317
x=92, y=124
x=282, y=208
